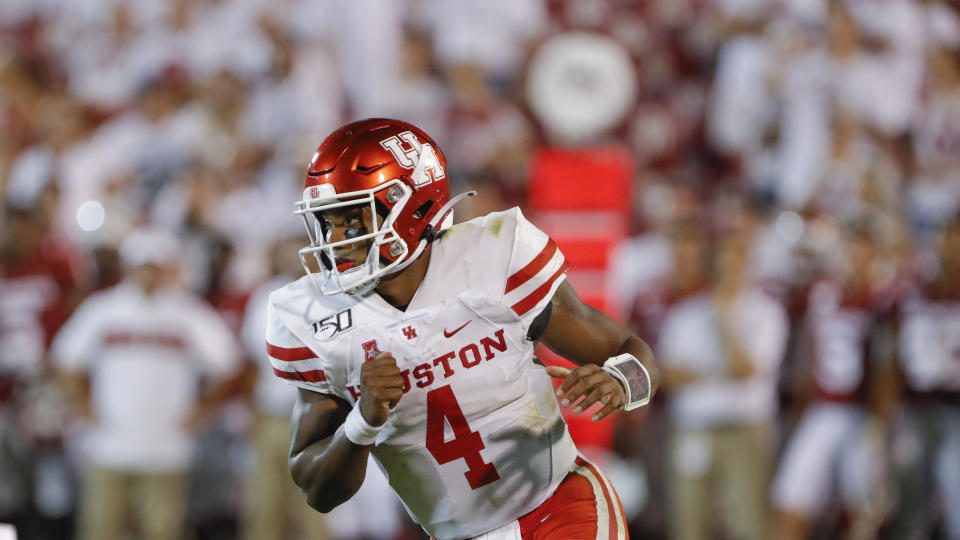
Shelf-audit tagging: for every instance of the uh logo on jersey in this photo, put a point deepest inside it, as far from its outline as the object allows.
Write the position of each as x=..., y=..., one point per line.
x=420, y=157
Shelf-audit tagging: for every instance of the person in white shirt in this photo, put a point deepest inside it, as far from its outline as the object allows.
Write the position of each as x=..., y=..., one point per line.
x=139, y=356
x=721, y=351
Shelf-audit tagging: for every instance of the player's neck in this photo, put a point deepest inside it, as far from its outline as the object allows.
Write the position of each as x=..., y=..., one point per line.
x=399, y=290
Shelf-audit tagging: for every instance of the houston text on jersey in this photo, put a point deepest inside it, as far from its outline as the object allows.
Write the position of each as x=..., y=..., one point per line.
x=470, y=355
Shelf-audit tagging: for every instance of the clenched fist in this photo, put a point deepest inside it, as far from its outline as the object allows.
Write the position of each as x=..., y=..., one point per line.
x=381, y=388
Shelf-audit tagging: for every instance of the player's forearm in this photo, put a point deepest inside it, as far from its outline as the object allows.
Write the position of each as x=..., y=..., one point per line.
x=585, y=335
x=330, y=471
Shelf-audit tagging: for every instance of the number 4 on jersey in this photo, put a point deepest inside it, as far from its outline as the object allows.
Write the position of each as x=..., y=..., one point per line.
x=466, y=444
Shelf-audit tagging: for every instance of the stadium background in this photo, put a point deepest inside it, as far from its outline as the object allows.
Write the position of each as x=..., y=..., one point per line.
x=636, y=132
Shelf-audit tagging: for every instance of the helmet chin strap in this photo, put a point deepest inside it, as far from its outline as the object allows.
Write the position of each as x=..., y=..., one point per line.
x=433, y=224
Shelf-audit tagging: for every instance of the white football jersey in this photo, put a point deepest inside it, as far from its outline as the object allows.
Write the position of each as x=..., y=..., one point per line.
x=477, y=439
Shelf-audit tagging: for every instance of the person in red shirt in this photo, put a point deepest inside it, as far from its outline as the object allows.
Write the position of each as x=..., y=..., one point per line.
x=38, y=290
x=837, y=444
x=929, y=365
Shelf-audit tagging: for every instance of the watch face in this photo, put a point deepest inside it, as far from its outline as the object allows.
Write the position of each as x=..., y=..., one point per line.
x=636, y=378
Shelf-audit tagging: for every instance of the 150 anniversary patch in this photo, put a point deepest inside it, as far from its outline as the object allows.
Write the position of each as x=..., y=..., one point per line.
x=328, y=327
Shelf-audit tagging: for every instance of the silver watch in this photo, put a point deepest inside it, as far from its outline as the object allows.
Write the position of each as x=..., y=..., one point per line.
x=634, y=378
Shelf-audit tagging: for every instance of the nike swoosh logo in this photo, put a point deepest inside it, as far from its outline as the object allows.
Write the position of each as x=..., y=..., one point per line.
x=450, y=334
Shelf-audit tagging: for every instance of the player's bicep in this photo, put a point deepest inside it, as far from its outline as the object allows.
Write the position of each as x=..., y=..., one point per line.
x=579, y=332
x=316, y=418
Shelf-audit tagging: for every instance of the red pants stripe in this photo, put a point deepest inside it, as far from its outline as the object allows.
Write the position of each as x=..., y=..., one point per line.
x=583, y=507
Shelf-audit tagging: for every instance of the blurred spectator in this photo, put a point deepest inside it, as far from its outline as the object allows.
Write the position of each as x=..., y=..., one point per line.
x=929, y=434
x=275, y=508
x=647, y=276
x=488, y=139
x=293, y=105
x=224, y=37
x=839, y=440
x=39, y=287
x=840, y=191
x=492, y=35
x=107, y=269
x=742, y=106
x=721, y=351
x=365, y=33
x=136, y=355
x=642, y=267
x=934, y=193
x=894, y=35
x=229, y=301
x=802, y=80
x=419, y=94
x=106, y=54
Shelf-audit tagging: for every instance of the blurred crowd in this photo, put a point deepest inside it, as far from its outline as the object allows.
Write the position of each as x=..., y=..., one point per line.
x=795, y=261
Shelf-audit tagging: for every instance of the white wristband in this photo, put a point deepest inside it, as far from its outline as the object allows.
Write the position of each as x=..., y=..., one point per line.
x=633, y=376
x=357, y=430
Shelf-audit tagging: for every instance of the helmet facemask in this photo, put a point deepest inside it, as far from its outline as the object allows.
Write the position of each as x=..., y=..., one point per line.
x=370, y=164
x=377, y=233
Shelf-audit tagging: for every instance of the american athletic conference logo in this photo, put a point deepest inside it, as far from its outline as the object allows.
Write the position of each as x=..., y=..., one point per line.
x=370, y=350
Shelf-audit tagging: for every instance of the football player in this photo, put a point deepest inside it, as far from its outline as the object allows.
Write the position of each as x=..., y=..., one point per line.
x=929, y=361
x=412, y=339
x=838, y=445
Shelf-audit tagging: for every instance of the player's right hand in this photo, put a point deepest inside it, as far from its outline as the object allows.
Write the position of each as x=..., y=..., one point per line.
x=381, y=387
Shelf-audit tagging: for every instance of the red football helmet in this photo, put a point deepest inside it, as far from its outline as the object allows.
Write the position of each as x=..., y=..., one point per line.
x=399, y=173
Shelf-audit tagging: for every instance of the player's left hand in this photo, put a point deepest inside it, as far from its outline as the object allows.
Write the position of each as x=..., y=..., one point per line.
x=591, y=383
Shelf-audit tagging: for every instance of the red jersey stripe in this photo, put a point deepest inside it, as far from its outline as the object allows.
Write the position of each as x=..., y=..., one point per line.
x=316, y=375
x=532, y=268
x=532, y=299
x=612, y=518
x=290, y=355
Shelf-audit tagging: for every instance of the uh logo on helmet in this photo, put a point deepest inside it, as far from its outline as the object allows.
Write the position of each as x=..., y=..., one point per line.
x=396, y=170
x=420, y=157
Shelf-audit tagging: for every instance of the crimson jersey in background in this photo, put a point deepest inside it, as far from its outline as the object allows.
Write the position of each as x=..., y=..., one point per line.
x=930, y=343
x=35, y=300
x=840, y=324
